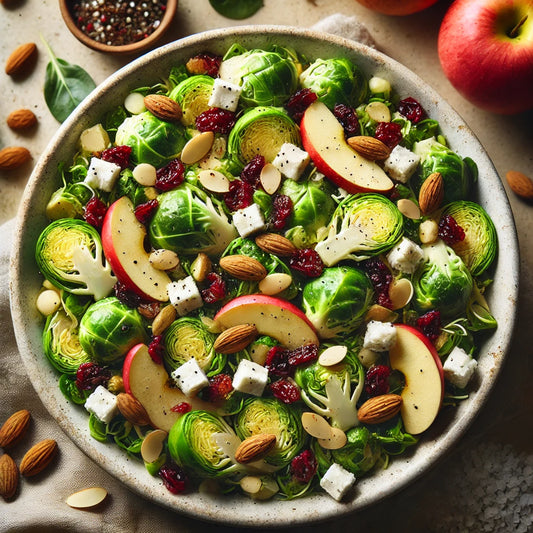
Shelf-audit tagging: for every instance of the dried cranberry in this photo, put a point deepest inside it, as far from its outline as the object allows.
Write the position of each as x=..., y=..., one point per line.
x=216, y=120
x=126, y=296
x=347, y=116
x=411, y=110
x=182, y=408
x=120, y=155
x=285, y=391
x=303, y=354
x=239, y=196
x=299, y=102
x=381, y=278
x=307, y=261
x=304, y=466
x=144, y=212
x=449, y=231
x=94, y=212
x=174, y=478
x=205, y=63
x=429, y=324
x=251, y=173
x=377, y=380
x=277, y=361
x=216, y=290
x=219, y=387
x=389, y=133
x=281, y=211
x=170, y=176
x=90, y=375
x=156, y=349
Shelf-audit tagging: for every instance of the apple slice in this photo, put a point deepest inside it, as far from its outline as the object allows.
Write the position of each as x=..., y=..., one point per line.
x=415, y=356
x=148, y=382
x=271, y=316
x=323, y=139
x=123, y=243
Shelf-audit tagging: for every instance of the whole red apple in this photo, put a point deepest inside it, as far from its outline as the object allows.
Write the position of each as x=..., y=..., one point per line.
x=397, y=7
x=486, y=51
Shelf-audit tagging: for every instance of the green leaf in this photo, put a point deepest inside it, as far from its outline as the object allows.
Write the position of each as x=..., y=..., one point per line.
x=236, y=9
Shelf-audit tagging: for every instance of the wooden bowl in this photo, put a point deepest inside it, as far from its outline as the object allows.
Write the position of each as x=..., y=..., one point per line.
x=131, y=48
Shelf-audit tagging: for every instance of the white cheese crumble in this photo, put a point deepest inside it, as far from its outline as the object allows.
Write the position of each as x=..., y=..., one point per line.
x=190, y=378
x=225, y=95
x=249, y=220
x=379, y=336
x=102, y=174
x=405, y=256
x=291, y=161
x=250, y=378
x=184, y=295
x=401, y=164
x=459, y=367
x=102, y=404
x=337, y=481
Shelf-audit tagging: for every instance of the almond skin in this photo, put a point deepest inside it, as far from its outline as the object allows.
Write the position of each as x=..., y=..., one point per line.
x=163, y=107
x=235, y=339
x=38, y=457
x=520, y=184
x=13, y=157
x=369, y=147
x=380, y=409
x=9, y=477
x=431, y=193
x=132, y=410
x=21, y=119
x=14, y=428
x=20, y=58
x=243, y=267
x=276, y=244
x=255, y=447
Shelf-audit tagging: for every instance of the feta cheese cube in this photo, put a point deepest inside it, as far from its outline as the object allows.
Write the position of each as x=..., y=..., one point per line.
x=102, y=174
x=379, y=336
x=250, y=378
x=405, y=256
x=184, y=295
x=291, y=161
x=337, y=481
x=190, y=378
x=401, y=163
x=102, y=404
x=249, y=220
x=459, y=367
x=225, y=95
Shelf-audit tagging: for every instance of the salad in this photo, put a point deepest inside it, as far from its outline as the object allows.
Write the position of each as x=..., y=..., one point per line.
x=265, y=274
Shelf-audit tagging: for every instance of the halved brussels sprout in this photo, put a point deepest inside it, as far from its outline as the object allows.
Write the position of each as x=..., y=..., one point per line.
x=271, y=416
x=478, y=248
x=68, y=201
x=363, y=225
x=193, y=96
x=261, y=131
x=360, y=453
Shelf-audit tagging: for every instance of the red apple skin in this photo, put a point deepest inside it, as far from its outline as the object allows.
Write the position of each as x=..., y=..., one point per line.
x=490, y=69
x=127, y=364
x=397, y=7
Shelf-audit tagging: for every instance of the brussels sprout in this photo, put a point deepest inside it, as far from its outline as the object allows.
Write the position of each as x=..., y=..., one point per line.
x=360, y=453
x=69, y=254
x=336, y=81
x=190, y=221
x=188, y=337
x=478, y=248
x=193, y=94
x=413, y=133
x=151, y=140
x=269, y=415
x=392, y=438
x=127, y=185
x=109, y=328
x=362, y=226
x=261, y=131
x=267, y=77
x=337, y=301
x=192, y=444
x=442, y=282
x=68, y=201
x=478, y=311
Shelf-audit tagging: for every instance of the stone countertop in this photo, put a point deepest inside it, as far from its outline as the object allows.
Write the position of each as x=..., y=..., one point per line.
x=410, y=40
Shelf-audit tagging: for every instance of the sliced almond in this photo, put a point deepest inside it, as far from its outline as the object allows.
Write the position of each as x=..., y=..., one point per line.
x=369, y=147
x=163, y=259
x=243, y=267
x=316, y=425
x=333, y=355
x=163, y=319
x=145, y=174
x=381, y=314
x=275, y=283
x=134, y=103
x=152, y=445
x=270, y=178
x=400, y=293
x=251, y=484
x=408, y=208
x=431, y=193
x=200, y=267
x=197, y=147
x=274, y=243
x=86, y=498
x=255, y=447
x=213, y=181
x=48, y=302
x=380, y=409
x=378, y=111
x=235, y=339
x=335, y=441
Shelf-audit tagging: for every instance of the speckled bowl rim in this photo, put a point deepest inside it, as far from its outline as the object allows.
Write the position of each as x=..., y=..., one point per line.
x=239, y=510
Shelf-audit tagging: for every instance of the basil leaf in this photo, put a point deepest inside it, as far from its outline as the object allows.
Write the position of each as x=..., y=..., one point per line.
x=236, y=9
x=65, y=86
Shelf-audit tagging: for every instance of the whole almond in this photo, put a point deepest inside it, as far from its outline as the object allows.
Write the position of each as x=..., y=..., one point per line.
x=38, y=457
x=20, y=58
x=431, y=193
x=235, y=339
x=163, y=107
x=243, y=267
x=9, y=477
x=369, y=147
x=21, y=119
x=13, y=157
x=132, y=410
x=255, y=447
x=520, y=184
x=14, y=428
x=380, y=409
x=276, y=244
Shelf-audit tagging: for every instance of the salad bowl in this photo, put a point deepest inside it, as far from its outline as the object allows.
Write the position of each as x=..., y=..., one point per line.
x=239, y=510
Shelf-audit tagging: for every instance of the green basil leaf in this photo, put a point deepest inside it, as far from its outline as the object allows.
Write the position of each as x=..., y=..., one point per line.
x=236, y=9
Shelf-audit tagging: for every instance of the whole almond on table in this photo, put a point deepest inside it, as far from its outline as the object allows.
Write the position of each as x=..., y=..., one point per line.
x=520, y=184
x=9, y=477
x=21, y=119
x=14, y=428
x=132, y=410
x=38, y=457
x=380, y=409
x=20, y=58
x=431, y=193
x=276, y=244
x=369, y=147
x=13, y=157
x=163, y=107
x=255, y=447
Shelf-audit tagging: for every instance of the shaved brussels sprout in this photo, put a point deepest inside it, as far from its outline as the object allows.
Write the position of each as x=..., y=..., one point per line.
x=189, y=221
x=261, y=131
x=478, y=248
x=360, y=453
x=193, y=94
x=362, y=226
x=336, y=81
x=337, y=301
x=442, y=282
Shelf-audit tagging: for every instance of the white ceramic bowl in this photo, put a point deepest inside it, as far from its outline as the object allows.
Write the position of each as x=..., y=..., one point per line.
x=239, y=510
